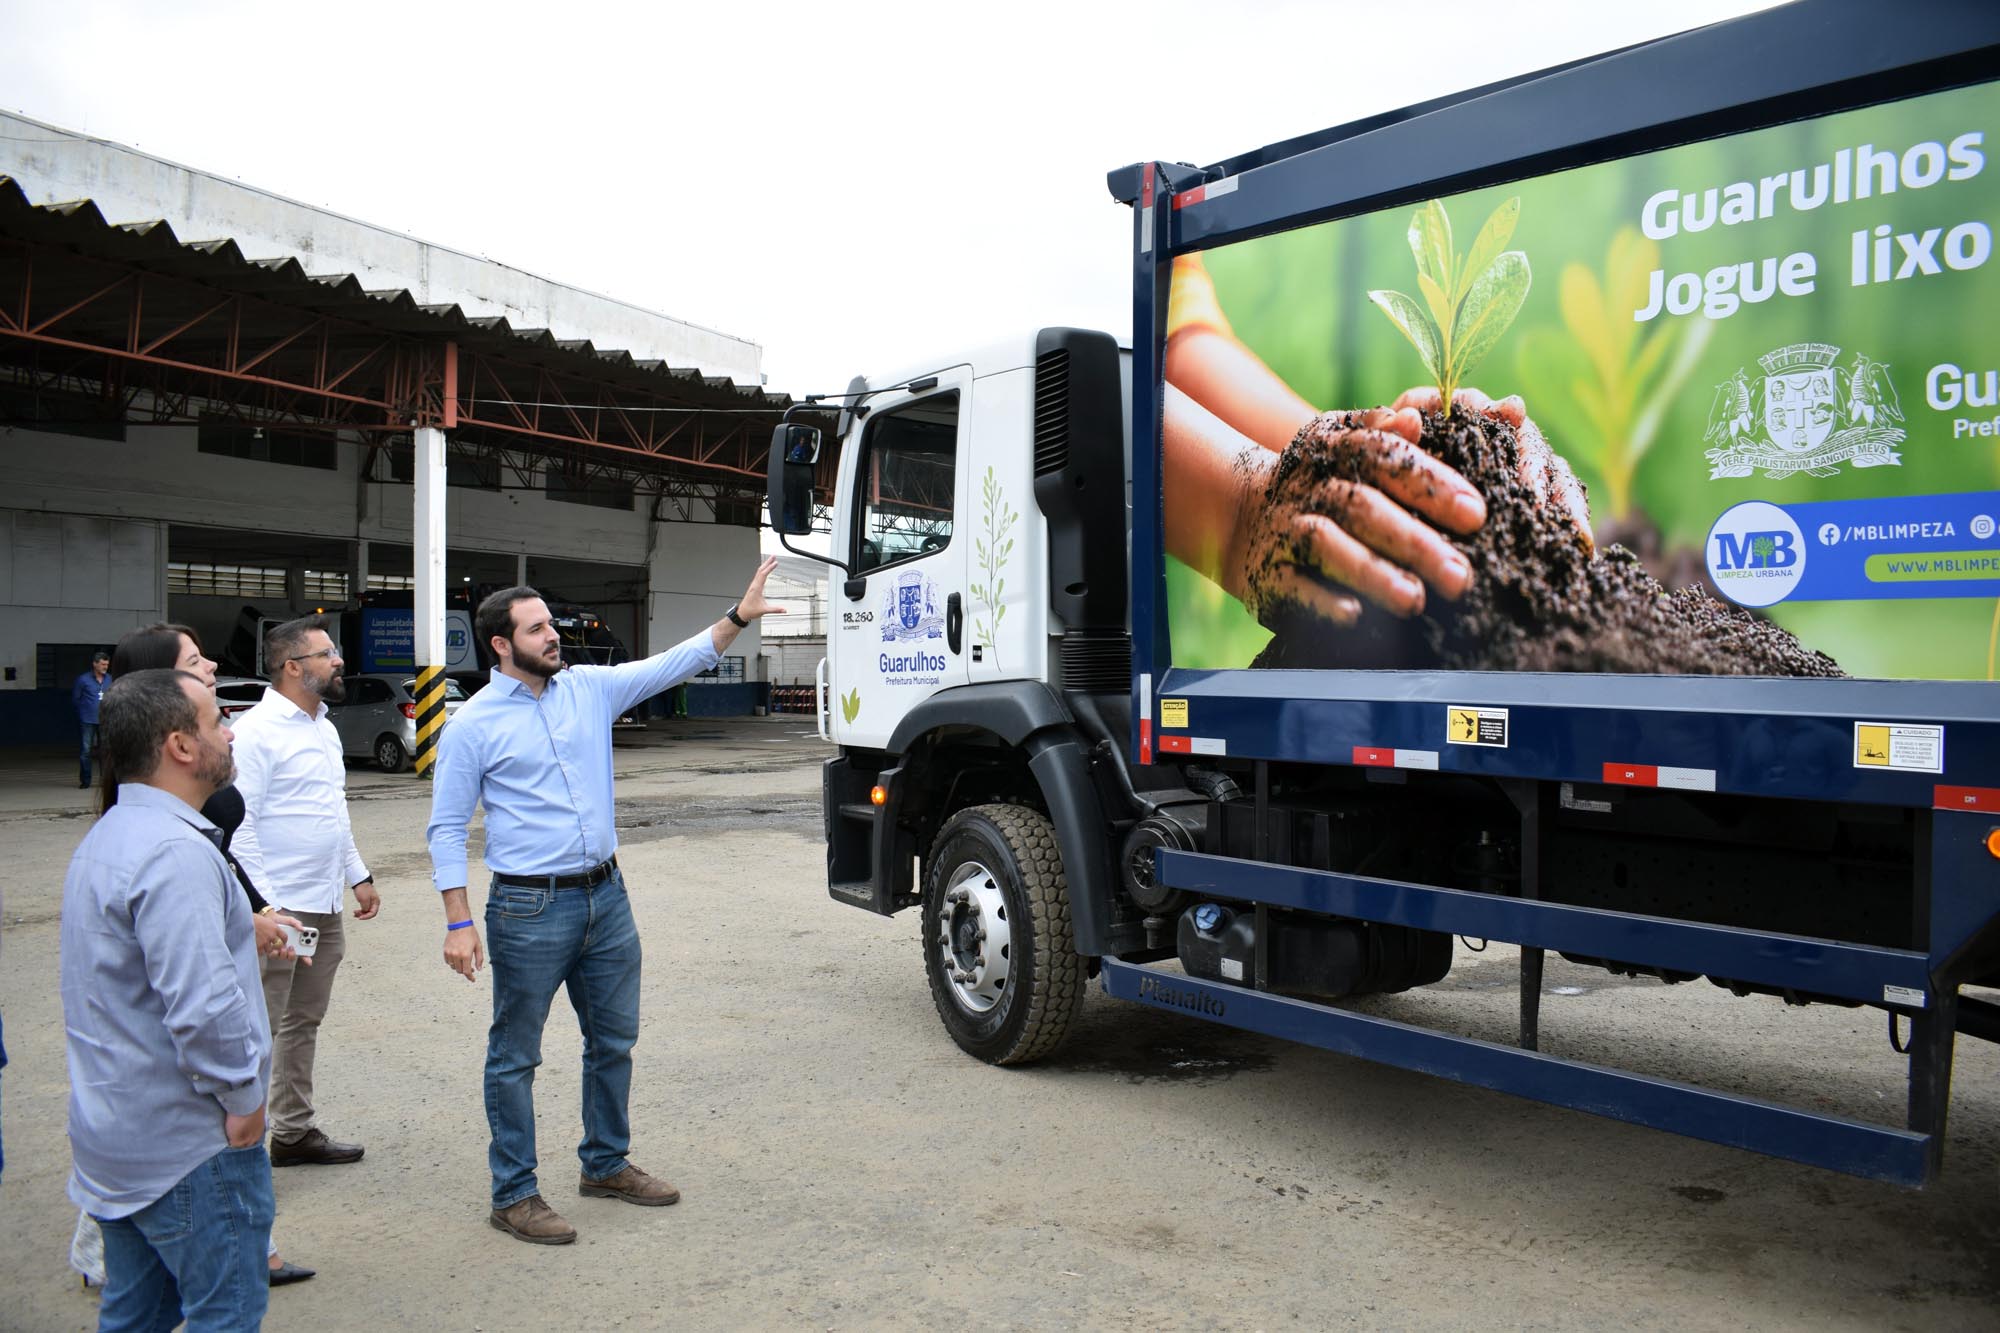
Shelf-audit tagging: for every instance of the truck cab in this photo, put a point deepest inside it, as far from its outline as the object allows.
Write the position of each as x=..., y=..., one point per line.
x=965, y=490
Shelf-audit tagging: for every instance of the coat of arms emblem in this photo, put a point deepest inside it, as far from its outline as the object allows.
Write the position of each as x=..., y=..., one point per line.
x=1806, y=414
x=911, y=610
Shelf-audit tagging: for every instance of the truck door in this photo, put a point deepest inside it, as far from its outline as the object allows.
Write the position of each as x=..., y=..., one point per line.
x=899, y=633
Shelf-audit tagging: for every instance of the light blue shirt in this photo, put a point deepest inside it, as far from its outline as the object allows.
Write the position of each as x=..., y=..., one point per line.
x=163, y=1004
x=542, y=766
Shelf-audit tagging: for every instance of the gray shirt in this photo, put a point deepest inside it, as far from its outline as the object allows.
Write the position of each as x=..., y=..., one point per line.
x=162, y=1002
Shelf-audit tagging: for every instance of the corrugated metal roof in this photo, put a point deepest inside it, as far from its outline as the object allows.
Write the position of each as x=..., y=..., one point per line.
x=152, y=245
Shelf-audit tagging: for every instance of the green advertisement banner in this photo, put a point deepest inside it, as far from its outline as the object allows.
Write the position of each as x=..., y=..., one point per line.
x=1729, y=408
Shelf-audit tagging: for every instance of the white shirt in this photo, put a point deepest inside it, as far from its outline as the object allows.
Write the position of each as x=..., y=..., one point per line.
x=295, y=842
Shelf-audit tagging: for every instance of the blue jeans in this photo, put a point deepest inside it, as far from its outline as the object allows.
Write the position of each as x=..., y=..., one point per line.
x=540, y=939
x=83, y=759
x=196, y=1252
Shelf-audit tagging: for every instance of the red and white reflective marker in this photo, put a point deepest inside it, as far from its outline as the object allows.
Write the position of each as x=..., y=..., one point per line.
x=1654, y=775
x=1173, y=743
x=1213, y=190
x=1146, y=696
x=1371, y=756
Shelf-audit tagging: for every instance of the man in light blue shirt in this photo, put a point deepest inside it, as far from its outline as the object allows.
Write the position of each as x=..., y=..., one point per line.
x=534, y=747
x=169, y=1049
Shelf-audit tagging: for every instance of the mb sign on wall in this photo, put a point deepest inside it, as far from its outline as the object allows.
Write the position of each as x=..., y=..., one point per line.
x=388, y=640
x=1772, y=360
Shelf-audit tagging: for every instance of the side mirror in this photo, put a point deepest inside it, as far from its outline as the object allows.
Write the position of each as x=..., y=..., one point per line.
x=794, y=457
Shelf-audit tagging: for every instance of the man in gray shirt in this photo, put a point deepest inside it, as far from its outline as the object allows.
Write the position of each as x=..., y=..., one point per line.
x=169, y=1048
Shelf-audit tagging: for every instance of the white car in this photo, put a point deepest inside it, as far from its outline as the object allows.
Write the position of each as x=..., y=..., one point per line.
x=236, y=694
x=378, y=719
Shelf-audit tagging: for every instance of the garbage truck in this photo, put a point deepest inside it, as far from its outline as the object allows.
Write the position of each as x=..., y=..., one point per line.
x=1561, y=513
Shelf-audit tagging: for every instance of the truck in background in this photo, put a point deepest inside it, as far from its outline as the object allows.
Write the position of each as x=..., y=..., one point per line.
x=1081, y=744
x=377, y=636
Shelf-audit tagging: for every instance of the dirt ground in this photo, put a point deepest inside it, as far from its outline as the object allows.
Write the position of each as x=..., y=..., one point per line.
x=844, y=1166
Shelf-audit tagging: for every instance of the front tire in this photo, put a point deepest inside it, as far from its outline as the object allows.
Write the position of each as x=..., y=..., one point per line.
x=999, y=948
x=390, y=756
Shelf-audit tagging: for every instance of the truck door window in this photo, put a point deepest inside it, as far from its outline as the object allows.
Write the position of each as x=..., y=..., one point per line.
x=907, y=473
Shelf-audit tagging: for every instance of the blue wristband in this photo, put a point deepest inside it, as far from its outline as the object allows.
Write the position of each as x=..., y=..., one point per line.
x=458, y=925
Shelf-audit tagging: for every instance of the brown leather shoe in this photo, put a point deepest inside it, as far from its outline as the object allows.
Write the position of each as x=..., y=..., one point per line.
x=534, y=1221
x=314, y=1148
x=633, y=1186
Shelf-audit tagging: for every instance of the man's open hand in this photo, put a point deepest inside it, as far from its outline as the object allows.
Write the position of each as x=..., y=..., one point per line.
x=753, y=604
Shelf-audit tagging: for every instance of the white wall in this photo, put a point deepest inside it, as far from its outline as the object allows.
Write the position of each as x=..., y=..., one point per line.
x=74, y=579
x=694, y=572
x=793, y=660
x=54, y=165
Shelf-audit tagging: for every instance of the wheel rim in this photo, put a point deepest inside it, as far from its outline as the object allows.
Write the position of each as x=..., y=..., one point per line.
x=388, y=753
x=974, y=942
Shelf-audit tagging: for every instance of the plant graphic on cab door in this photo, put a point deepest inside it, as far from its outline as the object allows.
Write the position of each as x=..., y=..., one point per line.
x=992, y=548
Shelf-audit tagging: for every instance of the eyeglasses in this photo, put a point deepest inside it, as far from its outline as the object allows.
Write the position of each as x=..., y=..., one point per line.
x=324, y=652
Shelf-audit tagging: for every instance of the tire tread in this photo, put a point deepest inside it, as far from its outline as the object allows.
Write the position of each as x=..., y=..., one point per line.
x=1058, y=993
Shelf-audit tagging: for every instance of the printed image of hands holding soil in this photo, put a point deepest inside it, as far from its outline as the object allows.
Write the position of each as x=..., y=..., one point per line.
x=1389, y=532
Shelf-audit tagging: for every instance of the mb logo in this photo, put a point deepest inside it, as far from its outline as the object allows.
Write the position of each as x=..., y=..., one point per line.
x=1756, y=550
x=1756, y=554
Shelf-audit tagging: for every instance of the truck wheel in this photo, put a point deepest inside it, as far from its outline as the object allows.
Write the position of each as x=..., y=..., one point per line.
x=390, y=756
x=998, y=945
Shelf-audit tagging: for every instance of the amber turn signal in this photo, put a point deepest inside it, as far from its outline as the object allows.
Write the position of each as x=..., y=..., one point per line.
x=1992, y=841
x=879, y=795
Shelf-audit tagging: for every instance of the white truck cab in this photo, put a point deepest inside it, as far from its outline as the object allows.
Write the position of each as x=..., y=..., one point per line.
x=936, y=516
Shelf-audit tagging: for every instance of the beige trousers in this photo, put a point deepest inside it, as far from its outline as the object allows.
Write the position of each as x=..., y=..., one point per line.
x=297, y=997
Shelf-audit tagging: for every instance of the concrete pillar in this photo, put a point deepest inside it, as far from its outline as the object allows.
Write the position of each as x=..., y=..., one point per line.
x=359, y=564
x=521, y=569
x=427, y=556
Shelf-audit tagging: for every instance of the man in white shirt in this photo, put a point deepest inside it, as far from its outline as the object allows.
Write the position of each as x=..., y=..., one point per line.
x=298, y=848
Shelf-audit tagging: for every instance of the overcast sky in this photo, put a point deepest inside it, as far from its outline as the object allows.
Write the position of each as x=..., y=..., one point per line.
x=853, y=186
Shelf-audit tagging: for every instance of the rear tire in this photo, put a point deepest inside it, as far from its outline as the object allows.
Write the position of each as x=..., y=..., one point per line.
x=390, y=756
x=999, y=948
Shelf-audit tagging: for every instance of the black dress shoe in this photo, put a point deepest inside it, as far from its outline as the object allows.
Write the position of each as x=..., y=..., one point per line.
x=313, y=1148
x=286, y=1273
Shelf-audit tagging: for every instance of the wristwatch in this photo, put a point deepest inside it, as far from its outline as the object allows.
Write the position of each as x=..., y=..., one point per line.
x=735, y=619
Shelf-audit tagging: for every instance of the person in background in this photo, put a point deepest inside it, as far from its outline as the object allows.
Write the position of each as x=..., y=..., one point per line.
x=169, y=1052
x=297, y=844
x=534, y=747
x=86, y=694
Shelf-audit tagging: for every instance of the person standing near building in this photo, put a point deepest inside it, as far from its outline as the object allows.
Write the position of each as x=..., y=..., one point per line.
x=534, y=747
x=297, y=846
x=87, y=693
x=169, y=1055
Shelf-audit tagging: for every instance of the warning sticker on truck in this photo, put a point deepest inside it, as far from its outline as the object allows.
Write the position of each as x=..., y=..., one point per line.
x=1173, y=712
x=1899, y=746
x=1465, y=725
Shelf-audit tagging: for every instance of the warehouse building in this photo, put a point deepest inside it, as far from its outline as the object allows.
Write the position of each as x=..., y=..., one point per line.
x=207, y=403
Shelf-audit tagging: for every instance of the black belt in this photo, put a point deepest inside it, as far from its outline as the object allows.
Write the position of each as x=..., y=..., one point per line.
x=590, y=878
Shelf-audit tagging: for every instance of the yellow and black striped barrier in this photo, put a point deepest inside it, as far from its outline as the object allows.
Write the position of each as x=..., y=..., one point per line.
x=430, y=716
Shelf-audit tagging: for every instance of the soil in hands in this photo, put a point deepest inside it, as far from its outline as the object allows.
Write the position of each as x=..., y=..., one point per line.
x=1540, y=600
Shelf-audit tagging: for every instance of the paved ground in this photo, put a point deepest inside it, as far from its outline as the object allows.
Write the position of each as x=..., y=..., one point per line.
x=846, y=1167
